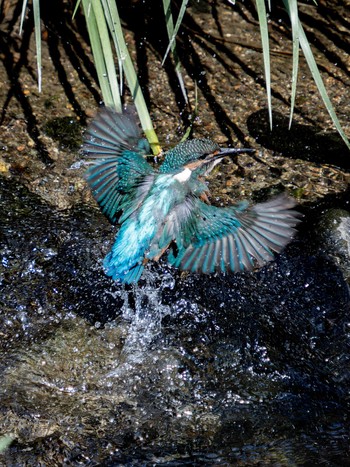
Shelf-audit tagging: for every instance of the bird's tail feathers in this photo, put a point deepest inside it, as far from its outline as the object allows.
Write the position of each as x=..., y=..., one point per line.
x=114, y=270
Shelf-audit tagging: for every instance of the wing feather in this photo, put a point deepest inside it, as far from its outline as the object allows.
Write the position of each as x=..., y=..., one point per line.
x=114, y=147
x=236, y=238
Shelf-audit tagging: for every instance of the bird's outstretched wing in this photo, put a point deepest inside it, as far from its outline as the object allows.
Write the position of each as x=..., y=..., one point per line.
x=114, y=146
x=236, y=238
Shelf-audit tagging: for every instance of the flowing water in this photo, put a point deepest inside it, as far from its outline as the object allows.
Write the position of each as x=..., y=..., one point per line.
x=248, y=369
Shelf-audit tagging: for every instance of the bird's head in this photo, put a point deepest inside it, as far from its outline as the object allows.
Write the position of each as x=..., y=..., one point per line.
x=199, y=155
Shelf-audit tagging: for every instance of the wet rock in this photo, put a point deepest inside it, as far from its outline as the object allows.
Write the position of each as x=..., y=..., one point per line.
x=48, y=263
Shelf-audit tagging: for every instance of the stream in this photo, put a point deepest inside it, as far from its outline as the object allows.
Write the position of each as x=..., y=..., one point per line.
x=182, y=369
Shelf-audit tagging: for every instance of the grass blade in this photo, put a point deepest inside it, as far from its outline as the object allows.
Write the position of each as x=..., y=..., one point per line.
x=193, y=116
x=304, y=43
x=37, y=33
x=172, y=32
x=260, y=6
x=111, y=11
x=115, y=28
x=292, y=8
x=97, y=52
x=23, y=14
x=103, y=56
x=107, y=55
x=76, y=8
x=37, y=28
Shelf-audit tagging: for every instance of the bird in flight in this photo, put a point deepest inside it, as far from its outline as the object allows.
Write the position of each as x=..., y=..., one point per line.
x=167, y=209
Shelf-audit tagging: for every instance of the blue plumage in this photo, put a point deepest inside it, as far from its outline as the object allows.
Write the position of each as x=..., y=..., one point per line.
x=158, y=209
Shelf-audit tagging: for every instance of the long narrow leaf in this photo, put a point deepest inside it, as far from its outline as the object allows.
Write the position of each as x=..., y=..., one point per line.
x=193, y=116
x=172, y=32
x=76, y=8
x=107, y=53
x=37, y=33
x=319, y=83
x=292, y=9
x=37, y=28
x=260, y=6
x=110, y=99
x=97, y=51
x=23, y=14
x=111, y=11
x=116, y=32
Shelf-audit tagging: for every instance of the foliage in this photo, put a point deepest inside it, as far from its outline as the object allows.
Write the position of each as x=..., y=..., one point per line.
x=104, y=27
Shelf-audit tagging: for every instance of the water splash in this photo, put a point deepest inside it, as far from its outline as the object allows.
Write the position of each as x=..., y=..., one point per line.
x=145, y=316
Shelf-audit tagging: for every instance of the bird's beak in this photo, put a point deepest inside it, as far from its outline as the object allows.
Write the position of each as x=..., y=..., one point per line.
x=224, y=152
x=214, y=158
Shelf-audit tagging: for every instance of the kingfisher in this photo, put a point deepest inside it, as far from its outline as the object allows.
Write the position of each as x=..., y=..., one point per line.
x=167, y=208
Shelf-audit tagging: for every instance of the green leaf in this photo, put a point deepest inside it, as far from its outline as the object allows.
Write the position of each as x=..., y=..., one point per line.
x=260, y=6
x=319, y=82
x=126, y=64
x=23, y=14
x=172, y=32
x=76, y=8
x=97, y=52
x=37, y=33
x=292, y=9
x=107, y=55
x=193, y=116
x=37, y=28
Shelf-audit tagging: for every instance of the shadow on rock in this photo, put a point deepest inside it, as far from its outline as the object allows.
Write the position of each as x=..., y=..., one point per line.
x=300, y=141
